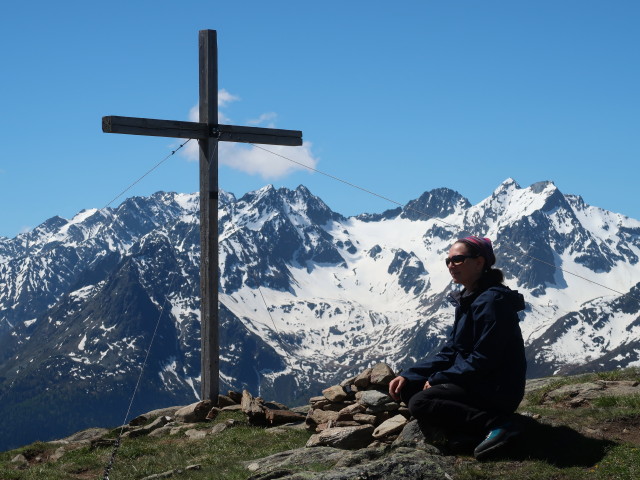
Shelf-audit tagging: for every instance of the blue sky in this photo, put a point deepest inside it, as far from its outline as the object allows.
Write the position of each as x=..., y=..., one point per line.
x=397, y=97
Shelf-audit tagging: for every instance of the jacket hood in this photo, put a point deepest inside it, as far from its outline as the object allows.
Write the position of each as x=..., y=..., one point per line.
x=515, y=299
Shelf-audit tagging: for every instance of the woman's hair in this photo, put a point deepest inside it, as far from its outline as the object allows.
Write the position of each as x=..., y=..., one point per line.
x=482, y=247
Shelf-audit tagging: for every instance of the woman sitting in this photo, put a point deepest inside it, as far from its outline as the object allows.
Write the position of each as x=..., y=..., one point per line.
x=476, y=382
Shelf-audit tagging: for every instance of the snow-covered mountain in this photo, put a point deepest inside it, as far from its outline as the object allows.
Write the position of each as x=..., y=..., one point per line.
x=80, y=299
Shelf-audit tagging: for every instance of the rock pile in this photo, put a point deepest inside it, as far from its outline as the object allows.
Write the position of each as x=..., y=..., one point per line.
x=269, y=414
x=357, y=413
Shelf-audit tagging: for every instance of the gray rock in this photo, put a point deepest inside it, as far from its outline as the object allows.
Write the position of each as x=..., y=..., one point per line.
x=194, y=413
x=335, y=394
x=365, y=418
x=364, y=379
x=346, y=437
x=225, y=401
x=179, y=429
x=316, y=417
x=194, y=434
x=58, y=454
x=351, y=410
x=253, y=408
x=412, y=437
x=348, y=381
x=146, y=430
x=582, y=392
x=297, y=458
x=20, y=459
x=160, y=412
x=356, y=457
x=387, y=407
x=381, y=374
x=85, y=436
x=232, y=408
x=390, y=427
x=221, y=427
x=400, y=464
x=337, y=406
x=373, y=398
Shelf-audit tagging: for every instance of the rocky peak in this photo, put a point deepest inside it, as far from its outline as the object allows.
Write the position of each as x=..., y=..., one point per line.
x=437, y=203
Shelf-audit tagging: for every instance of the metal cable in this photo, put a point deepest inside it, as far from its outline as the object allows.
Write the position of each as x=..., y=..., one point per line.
x=147, y=173
x=112, y=458
x=442, y=221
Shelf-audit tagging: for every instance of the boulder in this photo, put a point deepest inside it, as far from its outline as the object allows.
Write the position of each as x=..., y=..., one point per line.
x=280, y=417
x=390, y=427
x=335, y=394
x=346, y=437
x=20, y=459
x=373, y=398
x=411, y=436
x=381, y=374
x=317, y=416
x=213, y=413
x=363, y=379
x=194, y=413
x=194, y=434
x=350, y=410
x=348, y=381
x=296, y=459
x=160, y=412
x=387, y=407
x=253, y=408
x=226, y=401
x=232, y=408
x=365, y=418
x=146, y=430
x=221, y=427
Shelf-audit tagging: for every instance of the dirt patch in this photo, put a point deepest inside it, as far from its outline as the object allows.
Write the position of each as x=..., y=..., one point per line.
x=621, y=430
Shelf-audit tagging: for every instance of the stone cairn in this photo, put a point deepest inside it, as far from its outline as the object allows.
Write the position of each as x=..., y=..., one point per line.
x=357, y=413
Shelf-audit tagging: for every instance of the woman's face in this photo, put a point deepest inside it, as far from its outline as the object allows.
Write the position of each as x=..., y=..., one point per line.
x=469, y=271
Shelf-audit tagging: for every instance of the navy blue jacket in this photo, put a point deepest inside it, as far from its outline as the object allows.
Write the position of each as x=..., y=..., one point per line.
x=485, y=351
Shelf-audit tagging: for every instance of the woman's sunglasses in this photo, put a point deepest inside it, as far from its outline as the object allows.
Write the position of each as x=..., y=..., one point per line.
x=458, y=259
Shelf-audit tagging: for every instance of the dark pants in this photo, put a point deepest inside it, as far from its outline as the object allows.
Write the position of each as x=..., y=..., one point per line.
x=451, y=407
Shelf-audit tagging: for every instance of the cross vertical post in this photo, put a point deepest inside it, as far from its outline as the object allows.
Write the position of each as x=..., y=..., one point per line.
x=210, y=345
x=208, y=132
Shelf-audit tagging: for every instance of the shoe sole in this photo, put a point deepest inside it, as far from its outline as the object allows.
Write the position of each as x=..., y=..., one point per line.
x=488, y=451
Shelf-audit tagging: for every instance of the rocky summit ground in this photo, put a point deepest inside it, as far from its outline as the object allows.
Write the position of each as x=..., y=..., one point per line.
x=580, y=427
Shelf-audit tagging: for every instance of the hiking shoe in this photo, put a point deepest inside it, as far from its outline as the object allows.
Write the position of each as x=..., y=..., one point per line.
x=496, y=439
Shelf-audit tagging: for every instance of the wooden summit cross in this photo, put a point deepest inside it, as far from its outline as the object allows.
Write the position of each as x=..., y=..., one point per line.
x=208, y=132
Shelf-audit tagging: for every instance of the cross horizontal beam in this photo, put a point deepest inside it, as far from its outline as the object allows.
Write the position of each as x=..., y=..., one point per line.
x=178, y=129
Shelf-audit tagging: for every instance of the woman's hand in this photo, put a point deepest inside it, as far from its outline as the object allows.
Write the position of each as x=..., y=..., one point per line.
x=427, y=385
x=395, y=386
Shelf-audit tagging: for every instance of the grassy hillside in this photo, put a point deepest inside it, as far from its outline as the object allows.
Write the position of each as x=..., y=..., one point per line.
x=564, y=439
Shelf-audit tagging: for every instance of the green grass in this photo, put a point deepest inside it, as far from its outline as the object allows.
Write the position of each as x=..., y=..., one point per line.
x=553, y=447
x=220, y=456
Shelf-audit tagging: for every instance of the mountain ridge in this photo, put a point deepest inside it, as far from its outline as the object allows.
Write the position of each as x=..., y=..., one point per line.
x=341, y=292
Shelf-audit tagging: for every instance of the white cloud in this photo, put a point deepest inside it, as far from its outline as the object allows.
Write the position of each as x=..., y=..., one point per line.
x=266, y=120
x=224, y=98
x=275, y=161
x=268, y=161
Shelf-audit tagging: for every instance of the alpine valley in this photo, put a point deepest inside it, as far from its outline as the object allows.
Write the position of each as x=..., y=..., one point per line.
x=307, y=297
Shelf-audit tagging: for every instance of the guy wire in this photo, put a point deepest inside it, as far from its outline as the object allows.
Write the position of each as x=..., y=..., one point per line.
x=135, y=390
x=441, y=221
x=147, y=173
